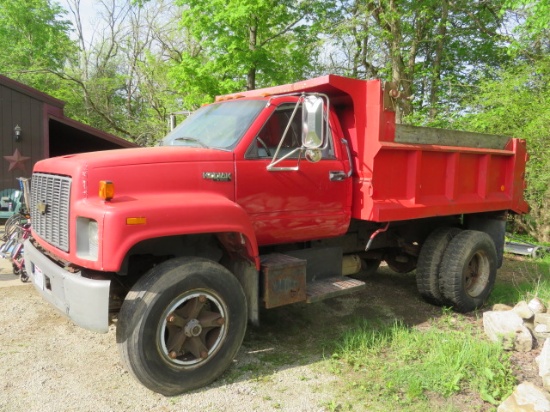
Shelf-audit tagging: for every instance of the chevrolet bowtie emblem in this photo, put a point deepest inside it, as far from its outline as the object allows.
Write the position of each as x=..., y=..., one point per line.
x=42, y=207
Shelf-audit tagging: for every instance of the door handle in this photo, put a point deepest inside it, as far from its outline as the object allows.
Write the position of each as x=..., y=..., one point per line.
x=337, y=176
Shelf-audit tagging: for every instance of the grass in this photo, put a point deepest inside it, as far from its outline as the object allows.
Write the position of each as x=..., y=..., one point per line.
x=527, y=279
x=398, y=366
x=393, y=366
x=441, y=362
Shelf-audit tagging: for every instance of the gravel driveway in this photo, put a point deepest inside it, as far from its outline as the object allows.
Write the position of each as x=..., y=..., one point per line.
x=48, y=364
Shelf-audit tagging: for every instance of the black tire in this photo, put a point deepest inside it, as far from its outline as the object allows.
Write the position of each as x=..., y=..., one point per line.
x=429, y=264
x=468, y=270
x=23, y=277
x=181, y=325
x=401, y=267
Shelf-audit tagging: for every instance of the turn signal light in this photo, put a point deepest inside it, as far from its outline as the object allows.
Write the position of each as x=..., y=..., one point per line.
x=106, y=189
x=136, y=221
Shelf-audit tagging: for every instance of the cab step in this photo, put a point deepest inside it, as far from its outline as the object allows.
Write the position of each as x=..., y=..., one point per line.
x=332, y=287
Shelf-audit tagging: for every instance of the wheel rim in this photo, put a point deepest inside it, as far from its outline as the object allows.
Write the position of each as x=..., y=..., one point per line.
x=476, y=274
x=193, y=328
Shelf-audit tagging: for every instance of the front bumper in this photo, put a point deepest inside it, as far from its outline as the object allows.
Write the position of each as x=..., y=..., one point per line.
x=85, y=301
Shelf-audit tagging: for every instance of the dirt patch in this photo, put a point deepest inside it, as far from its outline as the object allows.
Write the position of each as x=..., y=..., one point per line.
x=48, y=364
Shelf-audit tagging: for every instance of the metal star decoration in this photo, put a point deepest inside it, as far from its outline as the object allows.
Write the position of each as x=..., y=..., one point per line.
x=16, y=161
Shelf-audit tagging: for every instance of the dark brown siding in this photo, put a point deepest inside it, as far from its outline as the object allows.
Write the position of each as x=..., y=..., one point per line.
x=17, y=108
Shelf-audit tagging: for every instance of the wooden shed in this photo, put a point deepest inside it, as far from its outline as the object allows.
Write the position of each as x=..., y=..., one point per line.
x=34, y=127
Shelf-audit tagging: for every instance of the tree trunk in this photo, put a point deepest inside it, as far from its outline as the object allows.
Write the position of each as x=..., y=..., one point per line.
x=252, y=42
x=439, y=48
x=399, y=75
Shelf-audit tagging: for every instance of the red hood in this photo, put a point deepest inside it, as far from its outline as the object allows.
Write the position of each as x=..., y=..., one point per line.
x=137, y=156
x=141, y=170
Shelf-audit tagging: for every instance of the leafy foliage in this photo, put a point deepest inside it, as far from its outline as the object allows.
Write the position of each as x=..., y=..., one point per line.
x=119, y=82
x=244, y=45
x=433, y=50
x=35, y=40
x=539, y=15
x=518, y=104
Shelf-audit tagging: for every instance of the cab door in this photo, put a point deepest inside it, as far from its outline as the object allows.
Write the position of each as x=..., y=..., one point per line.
x=301, y=200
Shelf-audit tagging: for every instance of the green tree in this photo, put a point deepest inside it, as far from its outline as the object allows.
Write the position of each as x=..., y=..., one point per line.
x=119, y=81
x=433, y=50
x=518, y=104
x=243, y=44
x=35, y=40
x=532, y=36
x=537, y=14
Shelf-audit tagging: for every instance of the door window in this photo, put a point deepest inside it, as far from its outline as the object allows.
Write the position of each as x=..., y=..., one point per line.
x=266, y=143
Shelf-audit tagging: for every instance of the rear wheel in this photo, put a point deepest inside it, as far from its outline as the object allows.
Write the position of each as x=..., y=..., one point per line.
x=468, y=270
x=429, y=264
x=181, y=325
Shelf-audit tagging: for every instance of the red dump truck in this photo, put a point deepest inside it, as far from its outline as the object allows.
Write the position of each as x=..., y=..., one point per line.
x=262, y=199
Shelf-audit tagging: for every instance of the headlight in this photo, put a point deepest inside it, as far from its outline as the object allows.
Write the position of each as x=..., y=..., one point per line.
x=93, y=235
x=87, y=238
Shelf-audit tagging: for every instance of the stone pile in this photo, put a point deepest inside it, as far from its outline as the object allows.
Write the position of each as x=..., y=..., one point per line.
x=521, y=328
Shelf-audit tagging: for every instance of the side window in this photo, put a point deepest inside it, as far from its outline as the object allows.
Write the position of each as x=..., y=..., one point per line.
x=266, y=143
x=271, y=134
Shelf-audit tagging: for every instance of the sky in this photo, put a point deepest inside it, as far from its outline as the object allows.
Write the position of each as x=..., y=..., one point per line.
x=88, y=11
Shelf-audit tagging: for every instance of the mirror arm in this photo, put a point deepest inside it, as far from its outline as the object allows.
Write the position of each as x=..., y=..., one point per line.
x=272, y=166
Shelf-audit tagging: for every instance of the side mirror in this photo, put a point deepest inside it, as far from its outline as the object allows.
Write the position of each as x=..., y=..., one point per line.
x=312, y=118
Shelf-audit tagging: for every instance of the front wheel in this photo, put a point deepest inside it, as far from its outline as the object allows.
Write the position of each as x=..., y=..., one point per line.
x=181, y=325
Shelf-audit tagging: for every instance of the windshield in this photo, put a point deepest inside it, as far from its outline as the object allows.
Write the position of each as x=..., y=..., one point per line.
x=219, y=125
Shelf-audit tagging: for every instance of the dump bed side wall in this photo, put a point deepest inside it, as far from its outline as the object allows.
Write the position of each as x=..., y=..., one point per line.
x=415, y=181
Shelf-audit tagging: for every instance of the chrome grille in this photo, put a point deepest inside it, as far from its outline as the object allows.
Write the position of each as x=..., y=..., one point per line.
x=50, y=198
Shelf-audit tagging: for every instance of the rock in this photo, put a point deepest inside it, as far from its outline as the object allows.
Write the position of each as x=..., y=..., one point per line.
x=526, y=398
x=523, y=310
x=541, y=332
x=541, y=328
x=507, y=327
x=543, y=360
x=536, y=305
x=500, y=307
x=530, y=324
x=524, y=340
x=542, y=319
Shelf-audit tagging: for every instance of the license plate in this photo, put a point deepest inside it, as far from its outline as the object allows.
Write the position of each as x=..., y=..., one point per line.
x=38, y=277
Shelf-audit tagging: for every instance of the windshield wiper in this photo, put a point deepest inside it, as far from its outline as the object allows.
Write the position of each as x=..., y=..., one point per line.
x=192, y=139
